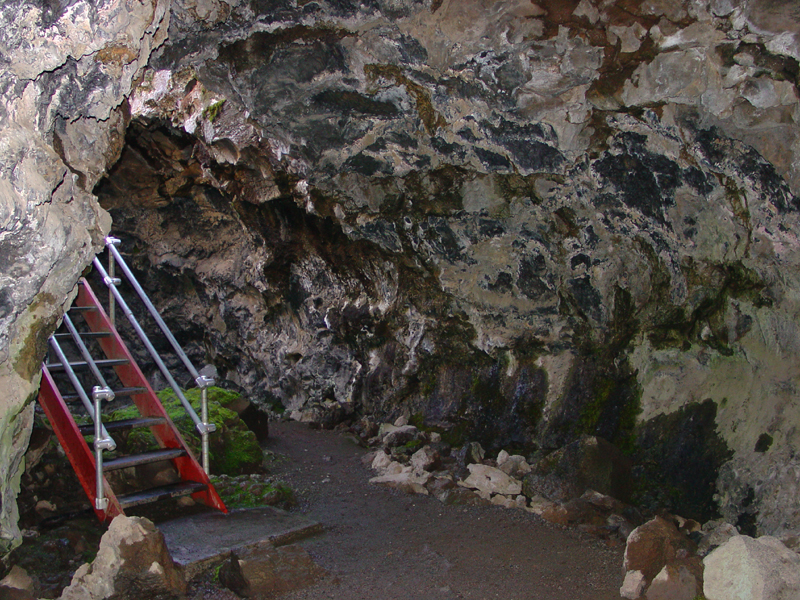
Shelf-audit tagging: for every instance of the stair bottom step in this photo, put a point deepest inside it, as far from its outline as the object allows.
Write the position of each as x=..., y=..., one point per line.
x=175, y=490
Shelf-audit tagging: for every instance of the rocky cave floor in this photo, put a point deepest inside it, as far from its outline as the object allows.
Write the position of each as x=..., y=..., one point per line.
x=378, y=542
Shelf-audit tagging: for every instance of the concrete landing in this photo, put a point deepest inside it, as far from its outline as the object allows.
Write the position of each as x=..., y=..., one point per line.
x=201, y=541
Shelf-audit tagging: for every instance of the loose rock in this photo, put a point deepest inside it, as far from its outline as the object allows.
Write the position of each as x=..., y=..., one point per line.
x=491, y=480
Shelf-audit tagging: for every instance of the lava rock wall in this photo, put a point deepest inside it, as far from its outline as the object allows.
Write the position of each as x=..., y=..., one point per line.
x=514, y=222
x=66, y=70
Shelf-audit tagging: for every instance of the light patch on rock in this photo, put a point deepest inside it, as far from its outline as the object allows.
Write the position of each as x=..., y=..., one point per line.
x=408, y=482
x=744, y=568
x=491, y=480
x=633, y=585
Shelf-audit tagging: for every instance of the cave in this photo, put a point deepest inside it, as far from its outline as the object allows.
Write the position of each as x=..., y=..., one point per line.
x=518, y=224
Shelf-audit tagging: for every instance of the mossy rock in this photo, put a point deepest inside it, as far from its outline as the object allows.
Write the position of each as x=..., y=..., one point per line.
x=250, y=491
x=233, y=448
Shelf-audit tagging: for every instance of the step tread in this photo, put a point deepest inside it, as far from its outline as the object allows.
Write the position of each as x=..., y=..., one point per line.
x=129, y=391
x=84, y=334
x=82, y=364
x=184, y=488
x=132, y=460
x=123, y=424
x=81, y=308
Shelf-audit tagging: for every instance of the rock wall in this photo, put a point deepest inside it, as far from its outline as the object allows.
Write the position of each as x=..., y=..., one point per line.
x=65, y=72
x=515, y=222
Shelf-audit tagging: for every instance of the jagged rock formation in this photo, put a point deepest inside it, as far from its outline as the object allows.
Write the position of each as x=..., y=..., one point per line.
x=65, y=72
x=517, y=222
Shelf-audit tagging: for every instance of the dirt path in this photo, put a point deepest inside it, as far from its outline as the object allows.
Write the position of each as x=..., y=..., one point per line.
x=384, y=544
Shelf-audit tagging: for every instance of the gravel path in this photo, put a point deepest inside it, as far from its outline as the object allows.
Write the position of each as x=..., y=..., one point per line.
x=384, y=544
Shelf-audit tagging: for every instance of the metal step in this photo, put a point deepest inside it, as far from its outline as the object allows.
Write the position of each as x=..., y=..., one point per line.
x=84, y=334
x=123, y=424
x=133, y=460
x=81, y=308
x=80, y=364
x=131, y=391
x=175, y=490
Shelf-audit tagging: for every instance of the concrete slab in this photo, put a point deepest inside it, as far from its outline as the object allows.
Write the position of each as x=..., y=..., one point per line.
x=201, y=541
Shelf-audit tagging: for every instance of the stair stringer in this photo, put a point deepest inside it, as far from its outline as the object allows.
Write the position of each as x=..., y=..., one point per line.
x=148, y=404
x=78, y=452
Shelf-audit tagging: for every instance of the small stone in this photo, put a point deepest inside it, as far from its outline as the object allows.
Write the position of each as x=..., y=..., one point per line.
x=633, y=586
x=434, y=437
x=513, y=465
x=715, y=533
x=539, y=504
x=673, y=583
x=45, y=508
x=440, y=486
x=401, y=421
x=186, y=501
x=408, y=482
x=424, y=459
x=381, y=461
x=231, y=576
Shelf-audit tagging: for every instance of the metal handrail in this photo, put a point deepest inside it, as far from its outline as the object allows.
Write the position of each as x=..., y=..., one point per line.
x=102, y=441
x=204, y=427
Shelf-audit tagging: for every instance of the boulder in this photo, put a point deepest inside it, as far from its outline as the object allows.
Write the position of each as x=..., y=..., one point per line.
x=133, y=561
x=588, y=463
x=397, y=436
x=491, y=480
x=744, y=568
x=653, y=545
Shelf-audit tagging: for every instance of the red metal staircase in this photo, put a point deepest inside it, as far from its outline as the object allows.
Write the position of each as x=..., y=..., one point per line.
x=97, y=336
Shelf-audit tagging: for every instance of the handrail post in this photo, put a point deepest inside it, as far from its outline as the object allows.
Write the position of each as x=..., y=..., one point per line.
x=204, y=383
x=111, y=268
x=100, y=444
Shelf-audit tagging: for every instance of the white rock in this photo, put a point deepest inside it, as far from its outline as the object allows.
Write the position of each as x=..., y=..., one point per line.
x=394, y=467
x=408, y=482
x=381, y=461
x=491, y=480
x=744, y=568
x=633, y=586
x=401, y=421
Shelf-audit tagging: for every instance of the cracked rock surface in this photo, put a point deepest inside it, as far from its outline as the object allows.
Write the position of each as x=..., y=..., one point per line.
x=518, y=224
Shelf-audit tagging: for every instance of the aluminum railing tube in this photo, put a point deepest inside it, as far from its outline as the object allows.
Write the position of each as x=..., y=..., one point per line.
x=120, y=262
x=150, y=348
x=87, y=404
x=76, y=337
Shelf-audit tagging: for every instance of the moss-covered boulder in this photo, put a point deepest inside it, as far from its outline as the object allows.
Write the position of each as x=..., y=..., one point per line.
x=233, y=448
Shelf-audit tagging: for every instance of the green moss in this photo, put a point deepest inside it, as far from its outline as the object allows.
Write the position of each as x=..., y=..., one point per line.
x=249, y=492
x=233, y=448
x=212, y=111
